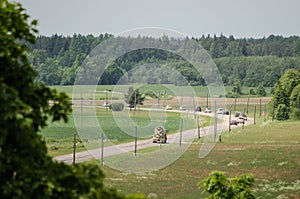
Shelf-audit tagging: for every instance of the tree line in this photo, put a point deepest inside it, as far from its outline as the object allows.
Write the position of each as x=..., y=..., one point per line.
x=252, y=62
x=286, y=99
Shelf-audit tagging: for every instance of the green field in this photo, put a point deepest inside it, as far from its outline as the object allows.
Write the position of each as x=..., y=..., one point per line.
x=59, y=135
x=268, y=150
x=100, y=93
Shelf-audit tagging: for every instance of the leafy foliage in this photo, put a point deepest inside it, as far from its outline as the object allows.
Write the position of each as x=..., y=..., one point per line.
x=221, y=187
x=282, y=112
x=260, y=90
x=26, y=171
x=134, y=97
x=284, y=97
x=237, y=89
x=251, y=61
x=295, y=102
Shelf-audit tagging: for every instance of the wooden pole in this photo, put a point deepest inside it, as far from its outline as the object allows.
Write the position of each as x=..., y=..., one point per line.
x=181, y=126
x=234, y=109
x=135, y=141
x=247, y=105
x=165, y=97
x=229, y=121
x=216, y=121
x=254, y=115
x=158, y=99
x=265, y=119
x=206, y=100
x=259, y=107
x=194, y=106
x=74, y=150
x=273, y=113
x=198, y=127
x=106, y=99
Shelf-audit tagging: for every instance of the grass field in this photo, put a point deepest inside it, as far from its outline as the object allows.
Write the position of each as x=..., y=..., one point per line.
x=103, y=91
x=268, y=150
x=59, y=135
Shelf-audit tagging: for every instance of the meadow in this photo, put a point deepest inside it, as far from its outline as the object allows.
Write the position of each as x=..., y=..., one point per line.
x=100, y=91
x=268, y=150
x=59, y=136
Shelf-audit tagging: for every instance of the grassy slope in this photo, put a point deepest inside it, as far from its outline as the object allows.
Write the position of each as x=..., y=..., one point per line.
x=270, y=151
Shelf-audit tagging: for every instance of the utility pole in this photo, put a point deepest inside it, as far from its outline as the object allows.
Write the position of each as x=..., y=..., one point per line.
x=254, y=114
x=102, y=148
x=181, y=125
x=207, y=100
x=106, y=99
x=74, y=149
x=194, y=106
x=216, y=121
x=136, y=126
x=259, y=107
x=247, y=105
x=165, y=97
x=158, y=99
x=229, y=121
x=234, y=105
x=198, y=127
x=265, y=119
x=273, y=112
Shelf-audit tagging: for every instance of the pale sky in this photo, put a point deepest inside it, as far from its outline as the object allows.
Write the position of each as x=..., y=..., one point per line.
x=240, y=18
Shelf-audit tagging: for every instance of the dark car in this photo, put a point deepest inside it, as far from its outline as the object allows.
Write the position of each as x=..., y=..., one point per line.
x=237, y=114
x=130, y=106
x=198, y=109
x=225, y=112
x=207, y=110
x=243, y=116
x=234, y=122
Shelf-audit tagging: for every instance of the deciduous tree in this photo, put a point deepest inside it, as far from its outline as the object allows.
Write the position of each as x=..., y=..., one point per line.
x=26, y=171
x=217, y=185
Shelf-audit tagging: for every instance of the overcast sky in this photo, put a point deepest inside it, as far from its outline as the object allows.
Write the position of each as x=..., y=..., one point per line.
x=240, y=18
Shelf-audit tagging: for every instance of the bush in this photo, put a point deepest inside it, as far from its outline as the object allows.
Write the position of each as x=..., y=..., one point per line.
x=151, y=94
x=260, y=90
x=231, y=95
x=282, y=112
x=116, y=106
x=217, y=185
x=295, y=113
x=252, y=91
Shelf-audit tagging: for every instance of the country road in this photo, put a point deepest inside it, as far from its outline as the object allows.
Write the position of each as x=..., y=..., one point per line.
x=187, y=135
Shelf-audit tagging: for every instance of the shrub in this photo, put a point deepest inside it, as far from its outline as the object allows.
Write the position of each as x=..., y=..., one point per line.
x=282, y=112
x=252, y=91
x=260, y=90
x=219, y=186
x=151, y=94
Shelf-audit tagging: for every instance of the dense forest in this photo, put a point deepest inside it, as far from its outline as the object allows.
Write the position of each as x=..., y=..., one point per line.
x=249, y=61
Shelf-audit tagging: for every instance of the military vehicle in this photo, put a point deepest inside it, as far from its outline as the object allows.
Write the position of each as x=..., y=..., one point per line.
x=160, y=135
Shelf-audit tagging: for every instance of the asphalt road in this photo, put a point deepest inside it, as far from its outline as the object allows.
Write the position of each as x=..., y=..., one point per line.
x=141, y=144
